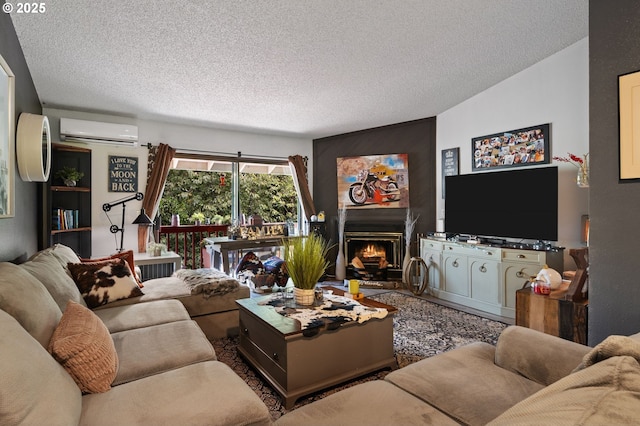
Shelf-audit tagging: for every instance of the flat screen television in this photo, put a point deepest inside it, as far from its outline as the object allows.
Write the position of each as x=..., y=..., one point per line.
x=521, y=204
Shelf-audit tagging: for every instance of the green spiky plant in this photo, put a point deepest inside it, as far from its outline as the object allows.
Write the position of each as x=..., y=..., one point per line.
x=306, y=259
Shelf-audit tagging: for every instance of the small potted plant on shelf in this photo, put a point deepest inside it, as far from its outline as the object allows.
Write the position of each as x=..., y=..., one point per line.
x=305, y=259
x=69, y=175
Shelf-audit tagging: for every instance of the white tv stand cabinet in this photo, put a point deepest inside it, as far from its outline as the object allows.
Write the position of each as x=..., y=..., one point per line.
x=482, y=276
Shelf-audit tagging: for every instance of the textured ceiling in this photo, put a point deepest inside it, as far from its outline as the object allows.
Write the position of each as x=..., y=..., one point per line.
x=298, y=67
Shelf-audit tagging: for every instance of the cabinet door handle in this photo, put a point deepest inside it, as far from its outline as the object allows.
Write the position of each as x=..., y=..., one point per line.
x=520, y=274
x=483, y=268
x=521, y=256
x=275, y=356
x=455, y=264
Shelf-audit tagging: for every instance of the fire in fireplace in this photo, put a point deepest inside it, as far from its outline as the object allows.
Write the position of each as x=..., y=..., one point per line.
x=374, y=255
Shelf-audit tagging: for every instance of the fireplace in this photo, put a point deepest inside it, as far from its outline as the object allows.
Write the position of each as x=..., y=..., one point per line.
x=374, y=255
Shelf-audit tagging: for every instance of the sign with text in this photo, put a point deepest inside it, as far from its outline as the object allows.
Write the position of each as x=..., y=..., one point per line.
x=123, y=174
x=450, y=164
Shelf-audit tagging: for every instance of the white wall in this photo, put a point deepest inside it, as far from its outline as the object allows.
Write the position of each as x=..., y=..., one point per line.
x=556, y=91
x=177, y=136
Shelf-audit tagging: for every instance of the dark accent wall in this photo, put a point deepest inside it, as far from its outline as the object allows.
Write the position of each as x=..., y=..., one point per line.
x=614, y=283
x=415, y=138
x=18, y=235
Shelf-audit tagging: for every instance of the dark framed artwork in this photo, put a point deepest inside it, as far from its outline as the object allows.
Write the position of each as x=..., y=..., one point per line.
x=450, y=164
x=123, y=174
x=513, y=148
x=629, y=110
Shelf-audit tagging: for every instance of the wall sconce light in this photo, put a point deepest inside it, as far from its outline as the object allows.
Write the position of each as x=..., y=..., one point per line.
x=141, y=219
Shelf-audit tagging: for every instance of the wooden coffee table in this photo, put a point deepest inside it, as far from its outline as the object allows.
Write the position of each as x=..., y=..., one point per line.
x=295, y=365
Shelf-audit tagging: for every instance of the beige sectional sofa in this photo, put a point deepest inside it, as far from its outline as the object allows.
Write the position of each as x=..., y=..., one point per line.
x=528, y=378
x=160, y=366
x=163, y=371
x=217, y=315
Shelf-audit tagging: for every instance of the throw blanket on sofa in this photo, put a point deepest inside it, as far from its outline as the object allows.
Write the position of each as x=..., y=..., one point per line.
x=208, y=282
x=331, y=314
x=611, y=346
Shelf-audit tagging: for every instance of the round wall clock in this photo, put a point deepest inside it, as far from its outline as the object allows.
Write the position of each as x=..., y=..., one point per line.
x=33, y=147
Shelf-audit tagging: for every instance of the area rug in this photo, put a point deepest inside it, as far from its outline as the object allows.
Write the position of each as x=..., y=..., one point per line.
x=421, y=329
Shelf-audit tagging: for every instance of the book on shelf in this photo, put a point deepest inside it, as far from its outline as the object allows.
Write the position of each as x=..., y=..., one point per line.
x=64, y=219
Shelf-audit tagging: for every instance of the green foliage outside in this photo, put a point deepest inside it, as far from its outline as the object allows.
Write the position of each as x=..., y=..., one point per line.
x=188, y=192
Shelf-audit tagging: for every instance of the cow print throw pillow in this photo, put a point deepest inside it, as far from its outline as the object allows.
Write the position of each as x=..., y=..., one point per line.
x=104, y=282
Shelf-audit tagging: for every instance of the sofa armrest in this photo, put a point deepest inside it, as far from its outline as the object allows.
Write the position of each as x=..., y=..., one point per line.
x=537, y=356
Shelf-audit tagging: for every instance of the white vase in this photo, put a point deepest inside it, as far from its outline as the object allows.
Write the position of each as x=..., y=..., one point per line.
x=405, y=264
x=304, y=296
x=341, y=267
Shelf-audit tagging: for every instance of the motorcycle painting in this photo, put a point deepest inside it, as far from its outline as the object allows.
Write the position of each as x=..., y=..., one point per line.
x=373, y=181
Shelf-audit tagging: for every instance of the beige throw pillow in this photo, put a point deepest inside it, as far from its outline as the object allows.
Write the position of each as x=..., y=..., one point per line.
x=83, y=346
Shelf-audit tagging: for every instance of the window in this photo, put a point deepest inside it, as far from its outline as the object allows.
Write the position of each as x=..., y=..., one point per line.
x=204, y=187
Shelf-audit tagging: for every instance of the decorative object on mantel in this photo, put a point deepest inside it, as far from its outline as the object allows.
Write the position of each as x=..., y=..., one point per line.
x=305, y=258
x=341, y=267
x=582, y=163
x=409, y=225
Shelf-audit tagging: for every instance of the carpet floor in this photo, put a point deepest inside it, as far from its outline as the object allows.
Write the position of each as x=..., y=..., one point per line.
x=421, y=329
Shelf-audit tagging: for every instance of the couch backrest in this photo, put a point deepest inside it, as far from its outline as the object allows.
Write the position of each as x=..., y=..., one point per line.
x=34, y=388
x=47, y=269
x=27, y=300
x=61, y=252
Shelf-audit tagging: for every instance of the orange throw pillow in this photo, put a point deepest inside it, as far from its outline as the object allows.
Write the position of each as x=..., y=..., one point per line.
x=82, y=344
x=126, y=255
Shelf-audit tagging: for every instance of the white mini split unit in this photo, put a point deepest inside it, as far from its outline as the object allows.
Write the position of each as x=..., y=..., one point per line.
x=72, y=130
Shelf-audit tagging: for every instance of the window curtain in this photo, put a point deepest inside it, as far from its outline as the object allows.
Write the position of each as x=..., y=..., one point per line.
x=158, y=165
x=298, y=165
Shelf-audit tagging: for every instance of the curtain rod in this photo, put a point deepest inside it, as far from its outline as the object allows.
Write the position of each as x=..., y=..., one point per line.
x=229, y=155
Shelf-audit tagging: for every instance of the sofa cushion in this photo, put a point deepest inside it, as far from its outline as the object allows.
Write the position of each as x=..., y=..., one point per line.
x=140, y=315
x=206, y=393
x=28, y=301
x=34, y=389
x=605, y=393
x=104, y=282
x=465, y=383
x=147, y=351
x=83, y=346
x=63, y=253
x=126, y=255
x=196, y=304
x=371, y=403
x=47, y=269
x=527, y=352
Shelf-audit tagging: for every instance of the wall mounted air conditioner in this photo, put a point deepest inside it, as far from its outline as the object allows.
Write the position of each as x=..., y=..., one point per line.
x=73, y=130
